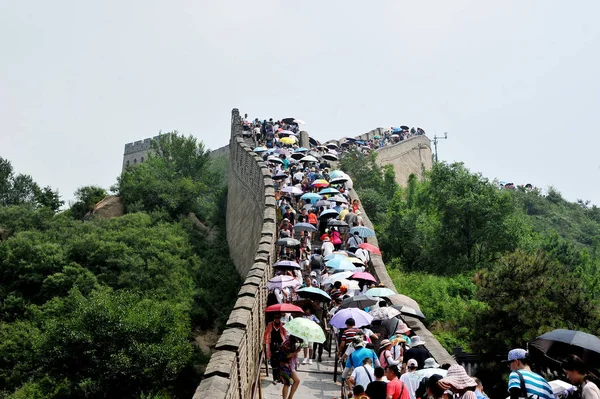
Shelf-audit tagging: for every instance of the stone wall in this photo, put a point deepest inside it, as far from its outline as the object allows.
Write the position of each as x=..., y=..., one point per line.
x=235, y=364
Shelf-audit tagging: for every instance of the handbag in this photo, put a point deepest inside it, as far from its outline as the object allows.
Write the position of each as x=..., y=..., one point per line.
x=523, y=387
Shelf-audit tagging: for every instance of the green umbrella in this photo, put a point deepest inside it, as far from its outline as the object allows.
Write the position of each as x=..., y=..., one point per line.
x=305, y=329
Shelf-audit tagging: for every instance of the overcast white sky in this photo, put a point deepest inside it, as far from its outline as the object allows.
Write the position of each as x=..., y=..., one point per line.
x=514, y=83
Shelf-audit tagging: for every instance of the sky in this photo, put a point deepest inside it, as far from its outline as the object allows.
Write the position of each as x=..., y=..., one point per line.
x=514, y=83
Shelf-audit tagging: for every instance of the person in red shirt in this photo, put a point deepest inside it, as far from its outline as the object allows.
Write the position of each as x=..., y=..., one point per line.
x=395, y=388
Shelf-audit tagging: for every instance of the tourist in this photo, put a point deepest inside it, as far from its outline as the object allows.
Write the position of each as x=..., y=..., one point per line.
x=348, y=334
x=356, y=359
x=287, y=365
x=417, y=351
x=459, y=382
x=359, y=392
x=411, y=379
x=362, y=375
x=433, y=389
x=272, y=339
x=327, y=248
x=377, y=388
x=576, y=371
x=479, y=389
x=353, y=242
x=395, y=388
x=336, y=238
x=385, y=355
x=521, y=375
x=308, y=347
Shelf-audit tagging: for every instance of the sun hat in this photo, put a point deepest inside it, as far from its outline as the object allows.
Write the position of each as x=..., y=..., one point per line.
x=313, y=274
x=358, y=341
x=430, y=363
x=516, y=354
x=457, y=378
x=385, y=343
x=402, y=328
x=415, y=340
x=412, y=364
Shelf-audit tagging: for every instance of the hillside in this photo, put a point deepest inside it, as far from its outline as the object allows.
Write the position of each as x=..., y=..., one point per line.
x=96, y=308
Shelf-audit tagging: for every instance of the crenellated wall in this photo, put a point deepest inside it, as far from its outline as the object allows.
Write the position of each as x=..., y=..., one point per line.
x=234, y=366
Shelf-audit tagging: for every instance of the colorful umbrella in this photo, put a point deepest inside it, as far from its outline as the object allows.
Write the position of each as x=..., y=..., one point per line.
x=305, y=329
x=370, y=247
x=362, y=231
x=284, y=308
x=320, y=183
x=384, y=313
x=380, y=291
x=282, y=282
x=363, y=276
x=361, y=318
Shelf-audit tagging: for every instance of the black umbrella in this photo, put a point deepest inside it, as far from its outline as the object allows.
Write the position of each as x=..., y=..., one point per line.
x=297, y=155
x=404, y=127
x=360, y=301
x=313, y=141
x=287, y=241
x=408, y=311
x=330, y=157
x=289, y=121
x=350, y=139
x=558, y=344
x=279, y=176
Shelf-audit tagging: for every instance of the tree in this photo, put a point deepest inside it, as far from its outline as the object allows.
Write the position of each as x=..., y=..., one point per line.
x=86, y=198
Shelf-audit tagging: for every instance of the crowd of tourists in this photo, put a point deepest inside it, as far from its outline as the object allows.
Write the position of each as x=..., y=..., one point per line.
x=324, y=295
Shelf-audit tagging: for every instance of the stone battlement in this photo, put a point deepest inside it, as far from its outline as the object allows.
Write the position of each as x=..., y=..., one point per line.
x=140, y=145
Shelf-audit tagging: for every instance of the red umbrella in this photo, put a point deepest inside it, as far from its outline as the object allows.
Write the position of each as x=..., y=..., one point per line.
x=370, y=247
x=284, y=308
x=363, y=276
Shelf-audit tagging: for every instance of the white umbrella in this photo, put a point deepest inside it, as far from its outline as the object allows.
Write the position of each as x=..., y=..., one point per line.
x=308, y=158
x=292, y=190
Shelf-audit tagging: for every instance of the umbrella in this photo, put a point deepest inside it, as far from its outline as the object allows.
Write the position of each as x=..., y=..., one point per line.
x=292, y=190
x=309, y=158
x=363, y=231
x=359, y=301
x=338, y=198
x=404, y=127
x=360, y=317
x=349, y=284
x=287, y=133
x=288, y=242
x=335, y=255
x=284, y=308
x=338, y=180
x=320, y=183
x=282, y=282
x=305, y=329
x=288, y=140
x=304, y=227
x=337, y=223
x=340, y=262
x=287, y=263
x=395, y=136
x=336, y=277
x=377, y=136
x=384, y=313
x=356, y=261
x=557, y=344
x=297, y=156
x=330, y=157
x=314, y=294
x=363, y=276
x=351, y=139
x=344, y=267
x=370, y=247
x=323, y=203
x=274, y=159
x=329, y=213
x=408, y=311
x=260, y=149
x=328, y=191
x=282, y=151
x=301, y=149
x=311, y=196
x=380, y=291
x=331, y=145
x=280, y=176
x=336, y=173
x=313, y=141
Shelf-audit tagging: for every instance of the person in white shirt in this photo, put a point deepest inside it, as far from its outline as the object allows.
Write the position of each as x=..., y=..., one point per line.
x=411, y=379
x=327, y=248
x=362, y=375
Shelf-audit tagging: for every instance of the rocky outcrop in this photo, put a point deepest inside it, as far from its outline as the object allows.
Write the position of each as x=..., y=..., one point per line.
x=110, y=207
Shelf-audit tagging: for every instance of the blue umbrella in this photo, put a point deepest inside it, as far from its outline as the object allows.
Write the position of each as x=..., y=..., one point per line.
x=363, y=231
x=336, y=173
x=328, y=191
x=340, y=263
x=333, y=256
x=380, y=291
x=311, y=196
x=260, y=149
x=301, y=149
x=313, y=293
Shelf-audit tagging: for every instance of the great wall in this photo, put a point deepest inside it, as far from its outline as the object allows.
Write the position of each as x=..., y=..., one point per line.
x=235, y=366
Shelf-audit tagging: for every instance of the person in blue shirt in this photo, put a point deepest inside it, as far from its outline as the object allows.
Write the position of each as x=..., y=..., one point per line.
x=522, y=378
x=355, y=359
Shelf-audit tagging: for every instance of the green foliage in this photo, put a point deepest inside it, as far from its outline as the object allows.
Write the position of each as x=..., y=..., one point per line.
x=86, y=198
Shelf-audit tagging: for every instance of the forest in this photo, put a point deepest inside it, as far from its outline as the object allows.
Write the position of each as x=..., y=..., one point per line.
x=491, y=268
x=112, y=308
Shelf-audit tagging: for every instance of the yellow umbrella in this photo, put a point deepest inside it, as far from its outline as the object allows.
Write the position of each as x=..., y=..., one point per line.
x=288, y=140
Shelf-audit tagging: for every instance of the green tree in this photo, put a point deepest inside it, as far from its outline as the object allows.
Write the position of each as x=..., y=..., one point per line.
x=85, y=199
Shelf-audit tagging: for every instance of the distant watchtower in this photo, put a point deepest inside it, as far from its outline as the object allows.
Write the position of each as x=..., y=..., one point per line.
x=137, y=152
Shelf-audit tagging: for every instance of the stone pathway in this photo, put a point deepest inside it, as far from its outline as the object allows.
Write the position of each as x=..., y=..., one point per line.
x=317, y=381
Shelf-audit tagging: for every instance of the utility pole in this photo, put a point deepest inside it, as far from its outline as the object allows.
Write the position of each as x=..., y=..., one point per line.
x=435, y=142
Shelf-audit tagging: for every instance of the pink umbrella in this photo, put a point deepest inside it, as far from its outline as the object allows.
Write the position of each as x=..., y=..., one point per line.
x=363, y=276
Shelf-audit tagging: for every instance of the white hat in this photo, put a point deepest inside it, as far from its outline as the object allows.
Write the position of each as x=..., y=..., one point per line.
x=430, y=363
x=412, y=363
x=313, y=274
x=415, y=340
